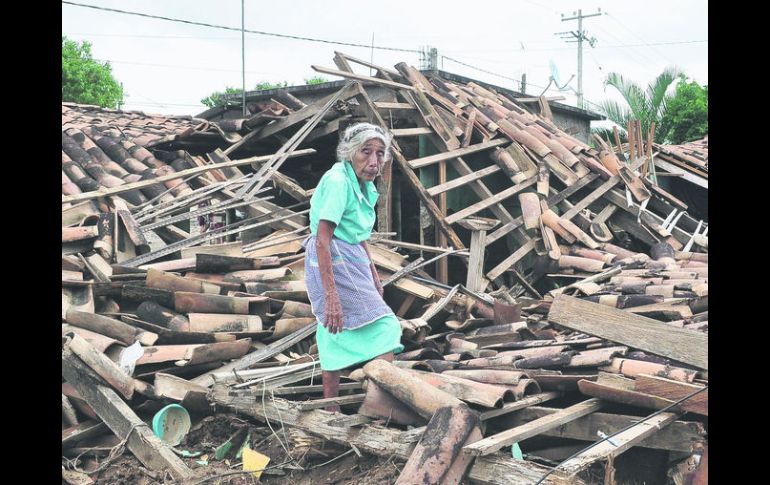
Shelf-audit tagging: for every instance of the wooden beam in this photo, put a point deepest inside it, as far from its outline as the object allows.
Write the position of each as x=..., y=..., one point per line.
x=386, y=105
x=177, y=175
x=523, y=403
x=477, y=186
x=683, y=345
x=385, y=181
x=427, y=200
x=495, y=442
x=347, y=386
x=402, y=132
x=248, y=360
x=296, y=117
x=572, y=212
x=684, y=171
x=355, y=60
x=617, y=444
x=552, y=201
x=329, y=401
x=490, y=201
x=432, y=159
x=460, y=181
x=361, y=77
x=376, y=440
x=148, y=448
x=679, y=436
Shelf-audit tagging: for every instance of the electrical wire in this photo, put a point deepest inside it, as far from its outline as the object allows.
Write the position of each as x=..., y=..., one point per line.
x=224, y=27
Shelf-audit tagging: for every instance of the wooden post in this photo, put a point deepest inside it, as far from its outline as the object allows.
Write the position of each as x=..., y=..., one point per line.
x=478, y=227
x=631, y=134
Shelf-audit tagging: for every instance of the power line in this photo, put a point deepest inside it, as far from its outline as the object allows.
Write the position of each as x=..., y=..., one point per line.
x=618, y=46
x=150, y=36
x=639, y=37
x=640, y=58
x=482, y=70
x=224, y=27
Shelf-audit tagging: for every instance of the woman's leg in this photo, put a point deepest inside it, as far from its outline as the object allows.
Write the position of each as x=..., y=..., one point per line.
x=388, y=356
x=331, y=383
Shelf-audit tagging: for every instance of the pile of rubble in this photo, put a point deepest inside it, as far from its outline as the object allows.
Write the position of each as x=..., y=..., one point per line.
x=579, y=313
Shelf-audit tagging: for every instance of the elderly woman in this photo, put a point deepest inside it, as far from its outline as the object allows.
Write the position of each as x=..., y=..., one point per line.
x=355, y=324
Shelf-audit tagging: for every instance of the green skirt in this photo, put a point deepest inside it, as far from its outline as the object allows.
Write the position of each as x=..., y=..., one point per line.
x=362, y=344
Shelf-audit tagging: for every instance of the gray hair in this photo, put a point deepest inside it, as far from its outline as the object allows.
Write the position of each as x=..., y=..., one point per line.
x=358, y=134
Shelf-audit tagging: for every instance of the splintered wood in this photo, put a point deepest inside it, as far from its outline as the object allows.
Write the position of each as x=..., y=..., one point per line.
x=545, y=288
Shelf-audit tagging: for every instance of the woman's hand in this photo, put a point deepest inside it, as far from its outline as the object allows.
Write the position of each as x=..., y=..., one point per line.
x=334, y=315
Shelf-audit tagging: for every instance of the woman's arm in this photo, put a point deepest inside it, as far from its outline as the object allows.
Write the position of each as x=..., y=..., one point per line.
x=375, y=276
x=324, y=234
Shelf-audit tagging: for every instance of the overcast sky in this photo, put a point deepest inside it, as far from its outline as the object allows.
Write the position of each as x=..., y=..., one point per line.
x=168, y=67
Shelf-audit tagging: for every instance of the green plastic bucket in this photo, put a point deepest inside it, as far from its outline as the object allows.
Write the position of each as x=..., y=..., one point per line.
x=171, y=424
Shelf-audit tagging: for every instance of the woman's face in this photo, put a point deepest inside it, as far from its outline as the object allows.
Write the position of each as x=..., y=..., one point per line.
x=368, y=159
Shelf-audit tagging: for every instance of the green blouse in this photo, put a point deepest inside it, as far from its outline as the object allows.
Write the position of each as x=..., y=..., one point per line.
x=338, y=198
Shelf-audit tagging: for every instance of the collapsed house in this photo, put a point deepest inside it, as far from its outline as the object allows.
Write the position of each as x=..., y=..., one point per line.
x=550, y=295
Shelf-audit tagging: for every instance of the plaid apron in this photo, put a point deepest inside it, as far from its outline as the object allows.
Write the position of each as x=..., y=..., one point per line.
x=361, y=302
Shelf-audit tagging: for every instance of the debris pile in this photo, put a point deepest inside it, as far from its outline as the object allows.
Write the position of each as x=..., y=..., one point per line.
x=574, y=312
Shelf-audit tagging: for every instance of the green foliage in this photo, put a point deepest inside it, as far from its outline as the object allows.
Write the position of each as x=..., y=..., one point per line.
x=607, y=135
x=687, y=114
x=316, y=80
x=261, y=86
x=219, y=98
x=85, y=80
x=647, y=106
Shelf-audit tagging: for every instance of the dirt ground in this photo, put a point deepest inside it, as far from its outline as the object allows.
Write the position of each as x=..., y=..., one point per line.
x=312, y=460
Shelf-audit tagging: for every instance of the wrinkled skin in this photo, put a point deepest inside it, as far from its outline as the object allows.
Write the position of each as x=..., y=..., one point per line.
x=367, y=163
x=368, y=160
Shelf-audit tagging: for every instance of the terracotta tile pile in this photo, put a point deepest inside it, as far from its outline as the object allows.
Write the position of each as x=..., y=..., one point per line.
x=540, y=364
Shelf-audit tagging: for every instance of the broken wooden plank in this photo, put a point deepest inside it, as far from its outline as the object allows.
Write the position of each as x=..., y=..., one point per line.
x=490, y=201
x=100, y=364
x=510, y=407
x=182, y=173
x=322, y=403
x=460, y=152
x=402, y=132
x=248, y=360
x=616, y=445
x=681, y=436
x=140, y=440
x=493, y=443
x=460, y=181
x=377, y=440
x=623, y=327
x=427, y=200
x=361, y=77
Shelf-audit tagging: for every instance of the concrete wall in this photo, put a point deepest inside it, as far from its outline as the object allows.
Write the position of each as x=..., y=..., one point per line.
x=580, y=128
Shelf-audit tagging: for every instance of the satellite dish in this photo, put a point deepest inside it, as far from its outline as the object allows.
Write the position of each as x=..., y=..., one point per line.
x=556, y=80
x=554, y=72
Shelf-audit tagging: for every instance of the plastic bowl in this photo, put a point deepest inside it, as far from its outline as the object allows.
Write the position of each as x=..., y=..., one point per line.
x=171, y=424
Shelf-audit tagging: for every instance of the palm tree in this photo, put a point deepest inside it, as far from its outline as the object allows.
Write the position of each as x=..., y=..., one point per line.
x=643, y=105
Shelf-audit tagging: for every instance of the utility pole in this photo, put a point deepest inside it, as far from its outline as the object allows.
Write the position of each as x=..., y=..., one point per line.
x=580, y=35
x=243, y=57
